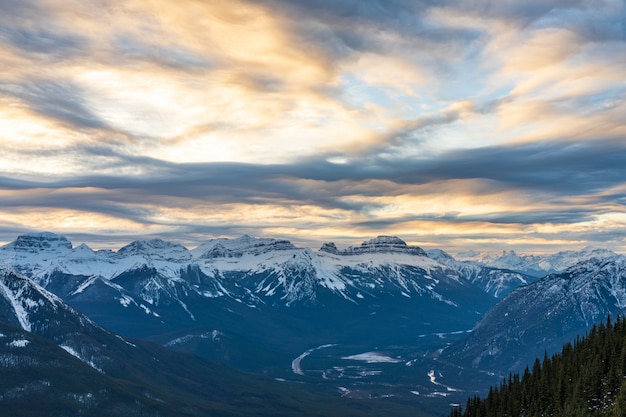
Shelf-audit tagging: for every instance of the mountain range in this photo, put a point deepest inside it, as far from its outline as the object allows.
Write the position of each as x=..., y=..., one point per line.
x=376, y=320
x=56, y=361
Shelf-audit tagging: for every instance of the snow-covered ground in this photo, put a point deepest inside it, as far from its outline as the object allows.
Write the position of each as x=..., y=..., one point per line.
x=372, y=357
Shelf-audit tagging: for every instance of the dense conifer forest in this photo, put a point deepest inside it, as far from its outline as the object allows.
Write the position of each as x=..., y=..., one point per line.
x=586, y=379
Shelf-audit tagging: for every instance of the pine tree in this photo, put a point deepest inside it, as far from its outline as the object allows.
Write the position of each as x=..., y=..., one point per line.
x=586, y=379
x=619, y=408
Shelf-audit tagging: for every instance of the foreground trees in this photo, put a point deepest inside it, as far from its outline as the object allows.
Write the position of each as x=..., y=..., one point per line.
x=586, y=379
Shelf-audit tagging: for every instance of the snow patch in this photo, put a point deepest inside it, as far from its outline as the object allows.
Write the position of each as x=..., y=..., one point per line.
x=126, y=300
x=19, y=343
x=372, y=357
x=125, y=341
x=82, y=287
x=72, y=352
x=433, y=380
x=214, y=335
x=18, y=308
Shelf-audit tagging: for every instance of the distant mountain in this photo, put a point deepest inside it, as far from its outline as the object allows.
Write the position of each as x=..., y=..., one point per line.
x=544, y=316
x=495, y=281
x=534, y=265
x=55, y=361
x=382, y=244
x=165, y=281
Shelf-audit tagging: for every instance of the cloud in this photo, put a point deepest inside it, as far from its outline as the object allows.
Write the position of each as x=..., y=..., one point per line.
x=52, y=43
x=543, y=172
x=306, y=118
x=56, y=99
x=177, y=56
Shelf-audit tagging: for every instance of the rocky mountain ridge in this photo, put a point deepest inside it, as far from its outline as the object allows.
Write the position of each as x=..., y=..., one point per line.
x=544, y=315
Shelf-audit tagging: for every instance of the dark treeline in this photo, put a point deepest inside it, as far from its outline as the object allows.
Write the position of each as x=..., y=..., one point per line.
x=585, y=380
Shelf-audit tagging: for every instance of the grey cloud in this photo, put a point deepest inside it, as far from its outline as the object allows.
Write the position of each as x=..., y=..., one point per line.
x=552, y=170
x=32, y=28
x=559, y=215
x=58, y=99
x=601, y=21
x=522, y=12
x=175, y=56
x=356, y=25
x=342, y=28
x=54, y=44
x=550, y=173
x=561, y=167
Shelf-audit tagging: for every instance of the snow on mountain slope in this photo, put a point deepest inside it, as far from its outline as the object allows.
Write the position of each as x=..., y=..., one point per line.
x=25, y=304
x=34, y=253
x=256, y=269
x=156, y=249
x=20, y=298
x=298, y=275
x=544, y=315
x=154, y=287
x=236, y=248
x=562, y=260
x=264, y=270
x=495, y=281
x=381, y=244
x=534, y=265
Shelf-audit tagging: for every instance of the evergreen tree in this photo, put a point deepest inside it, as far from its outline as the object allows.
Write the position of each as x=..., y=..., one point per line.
x=586, y=379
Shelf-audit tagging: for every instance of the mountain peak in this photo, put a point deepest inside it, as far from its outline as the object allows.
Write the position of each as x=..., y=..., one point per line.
x=83, y=249
x=380, y=244
x=156, y=249
x=236, y=248
x=42, y=241
x=329, y=247
x=439, y=254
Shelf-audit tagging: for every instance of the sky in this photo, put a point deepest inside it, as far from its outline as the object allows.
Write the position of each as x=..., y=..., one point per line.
x=484, y=125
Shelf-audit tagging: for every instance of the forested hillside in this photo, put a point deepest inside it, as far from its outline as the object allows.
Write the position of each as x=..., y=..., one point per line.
x=585, y=379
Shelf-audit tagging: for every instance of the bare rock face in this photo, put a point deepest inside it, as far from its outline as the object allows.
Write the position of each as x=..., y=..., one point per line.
x=38, y=242
x=236, y=248
x=381, y=244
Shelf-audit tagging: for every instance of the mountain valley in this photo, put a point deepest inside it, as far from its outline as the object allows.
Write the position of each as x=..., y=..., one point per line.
x=383, y=320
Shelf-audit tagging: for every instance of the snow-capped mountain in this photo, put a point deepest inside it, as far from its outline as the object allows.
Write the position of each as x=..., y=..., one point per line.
x=28, y=306
x=544, y=316
x=162, y=282
x=249, y=269
x=259, y=303
x=277, y=272
x=255, y=288
x=534, y=265
x=261, y=292
x=495, y=281
x=382, y=244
